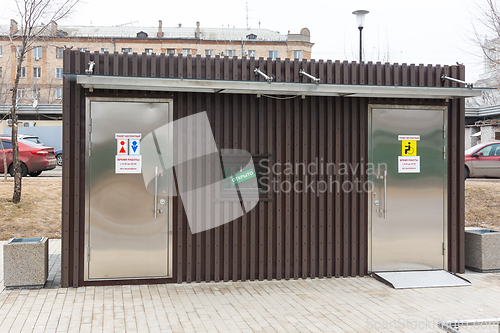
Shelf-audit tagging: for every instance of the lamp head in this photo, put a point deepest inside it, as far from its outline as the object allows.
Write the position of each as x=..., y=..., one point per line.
x=360, y=17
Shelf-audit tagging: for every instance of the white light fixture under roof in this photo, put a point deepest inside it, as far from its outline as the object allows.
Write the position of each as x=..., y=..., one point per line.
x=360, y=17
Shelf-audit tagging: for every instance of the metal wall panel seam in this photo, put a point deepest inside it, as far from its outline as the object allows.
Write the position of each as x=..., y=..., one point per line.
x=330, y=200
x=354, y=193
x=153, y=65
x=322, y=179
x=236, y=144
x=282, y=225
x=67, y=189
x=338, y=197
x=305, y=196
x=261, y=206
x=134, y=65
x=270, y=130
x=200, y=200
x=345, y=197
x=178, y=114
x=76, y=181
x=313, y=154
x=218, y=231
x=297, y=213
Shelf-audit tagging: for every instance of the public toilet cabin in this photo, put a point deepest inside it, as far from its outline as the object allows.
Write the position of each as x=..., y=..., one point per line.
x=215, y=169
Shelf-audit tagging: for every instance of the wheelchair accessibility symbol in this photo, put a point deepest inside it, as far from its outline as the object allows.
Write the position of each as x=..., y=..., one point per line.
x=409, y=148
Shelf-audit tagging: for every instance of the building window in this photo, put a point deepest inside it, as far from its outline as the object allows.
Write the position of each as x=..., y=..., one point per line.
x=209, y=52
x=37, y=72
x=185, y=52
x=0, y=51
x=36, y=93
x=104, y=49
x=59, y=52
x=58, y=93
x=23, y=72
x=170, y=51
x=497, y=134
x=21, y=93
x=37, y=53
x=230, y=53
x=149, y=51
x=273, y=54
x=251, y=53
x=1, y=72
x=297, y=54
x=18, y=54
x=126, y=50
x=59, y=73
x=82, y=49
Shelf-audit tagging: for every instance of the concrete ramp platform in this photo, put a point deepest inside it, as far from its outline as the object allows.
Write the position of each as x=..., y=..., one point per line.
x=421, y=279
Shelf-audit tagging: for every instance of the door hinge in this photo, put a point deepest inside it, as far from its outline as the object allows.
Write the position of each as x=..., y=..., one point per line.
x=88, y=254
x=90, y=148
x=90, y=125
x=444, y=249
x=444, y=152
x=444, y=131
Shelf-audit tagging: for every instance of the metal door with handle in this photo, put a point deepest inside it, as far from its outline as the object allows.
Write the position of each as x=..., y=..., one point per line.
x=128, y=232
x=407, y=203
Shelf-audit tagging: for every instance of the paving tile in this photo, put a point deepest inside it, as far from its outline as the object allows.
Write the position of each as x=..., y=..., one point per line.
x=305, y=305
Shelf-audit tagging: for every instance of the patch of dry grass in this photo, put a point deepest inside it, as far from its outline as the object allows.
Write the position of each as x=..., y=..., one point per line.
x=482, y=204
x=38, y=213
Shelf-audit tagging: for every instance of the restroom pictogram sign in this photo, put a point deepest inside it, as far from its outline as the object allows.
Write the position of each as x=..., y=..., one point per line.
x=128, y=153
x=122, y=147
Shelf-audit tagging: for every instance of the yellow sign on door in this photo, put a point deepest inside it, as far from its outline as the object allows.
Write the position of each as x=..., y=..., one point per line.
x=409, y=147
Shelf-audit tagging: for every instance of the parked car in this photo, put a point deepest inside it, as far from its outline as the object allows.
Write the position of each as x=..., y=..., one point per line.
x=34, y=157
x=483, y=160
x=33, y=138
x=59, y=156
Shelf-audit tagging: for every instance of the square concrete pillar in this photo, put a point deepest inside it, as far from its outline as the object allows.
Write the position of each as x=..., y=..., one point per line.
x=482, y=249
x=26, y=262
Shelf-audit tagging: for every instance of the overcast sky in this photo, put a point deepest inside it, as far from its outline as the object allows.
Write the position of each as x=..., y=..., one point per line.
x=424, y=31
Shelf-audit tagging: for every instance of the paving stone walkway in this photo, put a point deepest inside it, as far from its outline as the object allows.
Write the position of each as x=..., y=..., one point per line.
x=359, y=304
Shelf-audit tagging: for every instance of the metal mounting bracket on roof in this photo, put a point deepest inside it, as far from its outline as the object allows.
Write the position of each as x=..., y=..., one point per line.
x=91, y=68
x=467, y=85
x=265, y=76
x=315, y=79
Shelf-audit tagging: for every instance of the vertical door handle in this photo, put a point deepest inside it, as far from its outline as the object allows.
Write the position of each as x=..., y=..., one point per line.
x=156, y=190
x=385, y=194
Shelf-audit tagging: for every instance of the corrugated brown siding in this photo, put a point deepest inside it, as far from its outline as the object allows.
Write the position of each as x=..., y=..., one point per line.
x=292, y=235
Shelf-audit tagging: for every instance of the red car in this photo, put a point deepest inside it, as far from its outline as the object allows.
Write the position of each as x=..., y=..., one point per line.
x=483, y=160
x=34, y=157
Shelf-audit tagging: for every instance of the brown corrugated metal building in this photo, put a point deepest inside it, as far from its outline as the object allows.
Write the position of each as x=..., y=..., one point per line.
x=292, y=119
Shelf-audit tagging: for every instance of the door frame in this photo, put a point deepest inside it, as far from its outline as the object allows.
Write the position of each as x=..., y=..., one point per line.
x=86, y=236
x=443, y=108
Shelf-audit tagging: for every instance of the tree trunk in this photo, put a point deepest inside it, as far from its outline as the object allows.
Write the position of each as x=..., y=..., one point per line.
x=16, y=197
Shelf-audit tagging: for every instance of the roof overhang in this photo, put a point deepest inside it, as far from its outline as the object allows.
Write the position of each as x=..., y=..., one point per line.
x=268, y=88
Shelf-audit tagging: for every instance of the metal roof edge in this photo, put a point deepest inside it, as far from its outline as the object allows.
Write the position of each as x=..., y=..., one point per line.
x=482, y=111
x=268, y=88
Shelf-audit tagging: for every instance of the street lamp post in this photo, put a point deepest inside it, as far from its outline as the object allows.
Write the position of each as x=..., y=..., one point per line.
x=360, y=19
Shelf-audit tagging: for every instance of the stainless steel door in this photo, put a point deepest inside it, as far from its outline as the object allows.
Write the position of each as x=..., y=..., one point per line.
x=127, y=229
x=408, y=200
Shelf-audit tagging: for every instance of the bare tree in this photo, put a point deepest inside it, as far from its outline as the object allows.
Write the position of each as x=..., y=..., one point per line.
x=32, y=14
x=487, y=36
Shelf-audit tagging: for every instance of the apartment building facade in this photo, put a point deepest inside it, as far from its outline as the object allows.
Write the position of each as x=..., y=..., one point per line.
x=42, y=71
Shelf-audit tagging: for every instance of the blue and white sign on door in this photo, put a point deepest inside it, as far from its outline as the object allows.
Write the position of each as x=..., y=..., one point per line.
x=134, y=147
